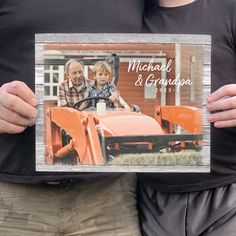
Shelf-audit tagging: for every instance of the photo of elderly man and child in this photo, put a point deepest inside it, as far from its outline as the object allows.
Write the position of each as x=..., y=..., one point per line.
x=77, y=87
x=121, y=103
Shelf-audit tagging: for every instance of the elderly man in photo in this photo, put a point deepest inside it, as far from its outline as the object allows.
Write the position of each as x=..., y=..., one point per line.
x=73, y=88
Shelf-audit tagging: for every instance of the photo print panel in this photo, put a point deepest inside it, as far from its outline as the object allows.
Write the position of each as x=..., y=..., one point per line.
x=122, y=102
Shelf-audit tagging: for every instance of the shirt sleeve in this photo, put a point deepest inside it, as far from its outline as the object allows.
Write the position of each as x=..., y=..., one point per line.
x=112, y=87
x=231, y=19
x=234, y=30
x=61, y=102
x=87, y=93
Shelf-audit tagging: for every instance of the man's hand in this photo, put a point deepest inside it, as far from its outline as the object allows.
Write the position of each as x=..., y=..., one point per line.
x=113, y=97
x=17, y=107
x=222, y=103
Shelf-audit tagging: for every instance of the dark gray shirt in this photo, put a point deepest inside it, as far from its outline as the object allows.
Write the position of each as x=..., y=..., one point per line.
x=19, y=22
x=218, y=19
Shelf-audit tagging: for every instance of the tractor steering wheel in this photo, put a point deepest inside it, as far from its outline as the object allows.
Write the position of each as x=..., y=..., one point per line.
x=77, y=104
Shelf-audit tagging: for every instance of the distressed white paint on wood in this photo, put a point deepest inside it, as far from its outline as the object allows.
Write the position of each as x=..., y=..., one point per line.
x=86, y=168
x=123, y=38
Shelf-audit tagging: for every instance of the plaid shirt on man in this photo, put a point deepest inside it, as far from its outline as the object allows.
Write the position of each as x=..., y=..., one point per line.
x=93, y=91
x=68, y=94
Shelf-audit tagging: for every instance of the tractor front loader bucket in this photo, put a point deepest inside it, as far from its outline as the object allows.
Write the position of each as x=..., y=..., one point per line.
x=81, y=127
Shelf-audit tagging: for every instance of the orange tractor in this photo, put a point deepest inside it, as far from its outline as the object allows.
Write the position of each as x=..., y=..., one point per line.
x=94, y=138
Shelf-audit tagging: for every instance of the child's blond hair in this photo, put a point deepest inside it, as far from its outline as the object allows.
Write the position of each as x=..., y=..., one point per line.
x=101, y=66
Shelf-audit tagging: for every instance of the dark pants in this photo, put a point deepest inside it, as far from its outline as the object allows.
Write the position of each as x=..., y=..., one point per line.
x=210, y=212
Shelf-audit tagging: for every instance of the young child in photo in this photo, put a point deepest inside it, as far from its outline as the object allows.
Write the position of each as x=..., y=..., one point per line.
x=101, y=87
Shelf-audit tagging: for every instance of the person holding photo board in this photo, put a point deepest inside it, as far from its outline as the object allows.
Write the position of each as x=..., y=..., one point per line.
x=54, y=203
x=198, y=204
